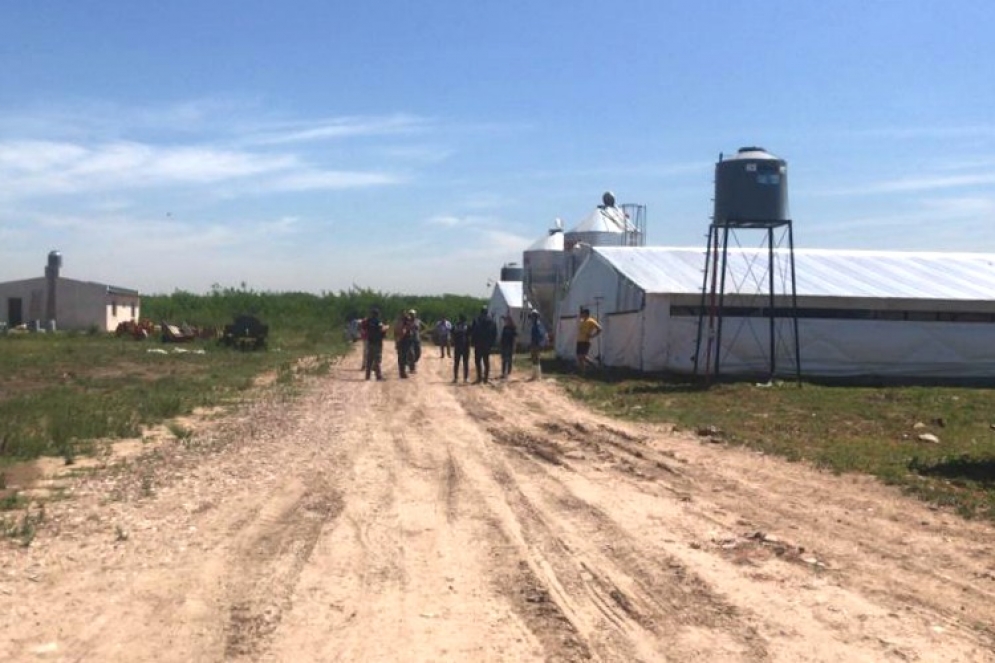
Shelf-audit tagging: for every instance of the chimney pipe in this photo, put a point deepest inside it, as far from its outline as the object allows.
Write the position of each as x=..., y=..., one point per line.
x=52, y=276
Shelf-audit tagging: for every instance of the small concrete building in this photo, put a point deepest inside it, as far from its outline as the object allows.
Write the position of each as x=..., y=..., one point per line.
x=55, y=302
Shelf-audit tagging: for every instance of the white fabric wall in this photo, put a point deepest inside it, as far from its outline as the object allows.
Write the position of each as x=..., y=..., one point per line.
x=639, y=333
x=845, y=348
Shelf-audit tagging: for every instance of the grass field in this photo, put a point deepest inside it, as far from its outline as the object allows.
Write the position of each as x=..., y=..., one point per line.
x=59, y=392
x=874, y=430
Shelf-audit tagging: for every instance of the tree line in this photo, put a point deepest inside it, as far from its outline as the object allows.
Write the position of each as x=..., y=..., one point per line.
x=298, y=311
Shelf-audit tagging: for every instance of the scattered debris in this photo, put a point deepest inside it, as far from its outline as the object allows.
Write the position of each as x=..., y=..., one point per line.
x=928, y=437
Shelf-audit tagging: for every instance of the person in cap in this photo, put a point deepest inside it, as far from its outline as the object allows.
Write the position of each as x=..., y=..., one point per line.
x=483, y=335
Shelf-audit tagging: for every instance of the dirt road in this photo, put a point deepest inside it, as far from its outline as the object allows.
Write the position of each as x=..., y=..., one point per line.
x=418, y=520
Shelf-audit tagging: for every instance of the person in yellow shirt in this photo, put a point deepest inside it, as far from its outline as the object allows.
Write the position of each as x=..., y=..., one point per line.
x=587, y=330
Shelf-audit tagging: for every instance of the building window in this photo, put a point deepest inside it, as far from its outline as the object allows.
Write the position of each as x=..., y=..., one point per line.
x=132, y=311
x=114, y=309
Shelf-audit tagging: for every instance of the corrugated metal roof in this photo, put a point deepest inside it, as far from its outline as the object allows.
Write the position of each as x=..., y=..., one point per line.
x=818, y=272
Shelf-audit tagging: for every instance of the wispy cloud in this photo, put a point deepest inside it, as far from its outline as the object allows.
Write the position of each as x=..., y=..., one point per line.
x=337, y=128
x=939, y=132
x=445, y=220
x=311, y=180
x=937, y=224
x=932, y=182
x=36, y=168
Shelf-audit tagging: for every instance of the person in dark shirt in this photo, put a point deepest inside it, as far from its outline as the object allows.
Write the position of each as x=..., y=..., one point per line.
x=483, y=335
x=460, y=338
x=375, y=332
x=403, y=330
x=509, y=332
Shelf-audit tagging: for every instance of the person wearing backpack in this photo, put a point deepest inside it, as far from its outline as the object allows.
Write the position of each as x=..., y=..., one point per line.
x=375, y=332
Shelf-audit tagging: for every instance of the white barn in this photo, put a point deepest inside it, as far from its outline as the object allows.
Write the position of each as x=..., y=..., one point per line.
x=506, y=297
x=70, y=304
x=860, y=313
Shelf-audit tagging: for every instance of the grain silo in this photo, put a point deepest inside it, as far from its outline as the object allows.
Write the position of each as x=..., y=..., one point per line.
x=544, y=274
x=607, y=225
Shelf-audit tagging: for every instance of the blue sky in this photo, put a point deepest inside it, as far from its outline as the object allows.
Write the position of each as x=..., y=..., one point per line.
x=416, y=147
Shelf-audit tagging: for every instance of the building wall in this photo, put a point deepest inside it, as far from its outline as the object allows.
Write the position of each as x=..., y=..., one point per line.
x=79, y=305
x=121, y=307
x=30, y=292
x=655, y=333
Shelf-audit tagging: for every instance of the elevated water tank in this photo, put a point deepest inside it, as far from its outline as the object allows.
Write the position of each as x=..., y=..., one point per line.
x=512, y=272
x=751, y=187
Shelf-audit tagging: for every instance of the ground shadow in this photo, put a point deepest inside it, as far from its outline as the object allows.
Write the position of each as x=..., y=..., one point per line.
x=965, y=468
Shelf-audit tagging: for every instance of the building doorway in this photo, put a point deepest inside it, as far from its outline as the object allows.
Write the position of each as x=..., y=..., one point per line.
x=15, y=311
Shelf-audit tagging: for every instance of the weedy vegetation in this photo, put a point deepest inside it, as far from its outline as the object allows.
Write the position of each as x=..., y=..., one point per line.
x=935, y=442
x=59, y=392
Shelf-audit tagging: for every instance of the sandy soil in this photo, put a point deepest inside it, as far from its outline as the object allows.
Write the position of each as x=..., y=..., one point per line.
x=418, y=520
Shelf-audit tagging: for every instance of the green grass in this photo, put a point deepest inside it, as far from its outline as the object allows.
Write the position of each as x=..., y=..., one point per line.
x=59, y=392
x=868, y=429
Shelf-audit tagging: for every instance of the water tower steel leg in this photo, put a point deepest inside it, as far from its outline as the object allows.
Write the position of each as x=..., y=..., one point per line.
x=704, y=296
x=794, y=305
x=722, y=297
x=771, y=310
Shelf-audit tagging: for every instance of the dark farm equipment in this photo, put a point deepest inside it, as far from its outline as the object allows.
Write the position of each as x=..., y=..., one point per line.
x=246, y=333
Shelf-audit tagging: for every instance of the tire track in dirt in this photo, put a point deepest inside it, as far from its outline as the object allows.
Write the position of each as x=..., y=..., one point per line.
x=756, y=544
x=268, y=559
x=414, y=557
x=631, y=603
x=711, y=496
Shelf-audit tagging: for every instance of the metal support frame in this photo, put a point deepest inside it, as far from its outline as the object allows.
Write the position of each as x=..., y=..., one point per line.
x=713, y=295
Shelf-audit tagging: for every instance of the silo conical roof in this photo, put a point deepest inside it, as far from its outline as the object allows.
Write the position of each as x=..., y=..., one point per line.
x=604, y=220
x=553, y=241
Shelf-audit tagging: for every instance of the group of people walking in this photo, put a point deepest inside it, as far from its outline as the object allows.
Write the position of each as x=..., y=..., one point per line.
x=480, y=334
x=455, y=340
x=407, y=341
